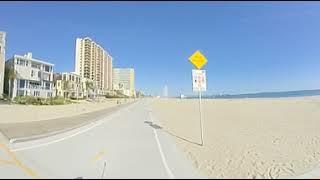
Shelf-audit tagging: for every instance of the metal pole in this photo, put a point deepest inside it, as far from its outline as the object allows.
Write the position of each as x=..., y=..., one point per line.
x=104, y=167
x=200, y=110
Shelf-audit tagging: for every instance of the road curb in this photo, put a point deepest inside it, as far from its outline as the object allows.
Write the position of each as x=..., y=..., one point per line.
x=4, y=138
x=46, y=135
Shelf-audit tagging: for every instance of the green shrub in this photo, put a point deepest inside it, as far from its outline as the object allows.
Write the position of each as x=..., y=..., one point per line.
x=115, y=96
x=33, y=100
x=20, y=99
x=57, y=101
x=41, y=101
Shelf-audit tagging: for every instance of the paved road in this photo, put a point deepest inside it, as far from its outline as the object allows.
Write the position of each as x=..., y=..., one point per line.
x=123, y=142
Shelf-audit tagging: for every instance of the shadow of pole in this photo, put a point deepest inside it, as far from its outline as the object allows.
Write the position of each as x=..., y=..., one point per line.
x=155, y=126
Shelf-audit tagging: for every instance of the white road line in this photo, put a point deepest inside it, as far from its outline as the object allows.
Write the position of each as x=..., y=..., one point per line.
x=164, y=161
x=162, y=156
x=67, y=137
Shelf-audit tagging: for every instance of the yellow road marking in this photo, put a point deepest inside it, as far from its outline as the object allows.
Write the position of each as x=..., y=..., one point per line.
x=18, y=163
x=99, y=155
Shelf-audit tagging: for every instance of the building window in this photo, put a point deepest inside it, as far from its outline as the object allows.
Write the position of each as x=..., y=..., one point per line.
x=21, y=62
x=47, y=68
x=47, y=85
x=36, y=93
x=22, y=83
x=49, y=94
x=39, y=74
x=32, y=73
x=34, y=65
x=20, y=92
x=34, y=85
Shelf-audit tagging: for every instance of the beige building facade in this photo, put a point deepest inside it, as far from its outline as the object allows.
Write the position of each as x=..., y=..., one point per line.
x=123, y=80
x=69, y=85
x=94, y=63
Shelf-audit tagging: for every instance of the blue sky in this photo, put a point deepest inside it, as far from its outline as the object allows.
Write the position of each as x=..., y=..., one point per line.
x=250, y=46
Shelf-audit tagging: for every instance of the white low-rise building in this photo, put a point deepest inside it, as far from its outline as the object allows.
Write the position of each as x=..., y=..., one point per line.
x=32, y=77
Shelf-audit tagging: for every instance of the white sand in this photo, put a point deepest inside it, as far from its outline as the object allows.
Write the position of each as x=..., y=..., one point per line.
x=247, y=138
x=25, y=113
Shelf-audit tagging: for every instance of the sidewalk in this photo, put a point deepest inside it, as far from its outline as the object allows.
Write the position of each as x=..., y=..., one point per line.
x=18, y=132
x=313, y=174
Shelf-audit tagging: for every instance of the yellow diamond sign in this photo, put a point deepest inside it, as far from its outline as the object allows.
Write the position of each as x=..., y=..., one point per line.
x=198, y=59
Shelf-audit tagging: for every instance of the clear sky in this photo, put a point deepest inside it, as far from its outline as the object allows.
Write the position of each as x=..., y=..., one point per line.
x=250, y=46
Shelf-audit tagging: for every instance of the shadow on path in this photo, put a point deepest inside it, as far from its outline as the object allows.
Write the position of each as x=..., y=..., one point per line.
x=155, y=126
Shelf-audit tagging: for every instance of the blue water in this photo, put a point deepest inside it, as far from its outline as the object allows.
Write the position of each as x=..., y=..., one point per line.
x=300, y=93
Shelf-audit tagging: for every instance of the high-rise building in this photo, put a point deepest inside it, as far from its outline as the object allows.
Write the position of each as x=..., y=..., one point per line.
x=2, y=60
x=94, y=63
x=123, y=79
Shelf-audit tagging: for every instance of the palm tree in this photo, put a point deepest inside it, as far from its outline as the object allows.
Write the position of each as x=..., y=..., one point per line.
x=89, y=86
x=65, y=87
x=10, y=75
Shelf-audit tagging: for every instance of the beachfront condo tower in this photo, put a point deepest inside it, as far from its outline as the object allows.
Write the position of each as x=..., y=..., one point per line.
x=2, y=60
x=27, y=76
x=94, y=63
x=123, y=80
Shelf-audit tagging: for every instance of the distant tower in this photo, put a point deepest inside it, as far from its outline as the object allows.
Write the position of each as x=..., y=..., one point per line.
x=165, y=91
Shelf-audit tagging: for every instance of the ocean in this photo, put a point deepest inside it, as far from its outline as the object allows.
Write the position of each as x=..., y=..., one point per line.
x=283, y=94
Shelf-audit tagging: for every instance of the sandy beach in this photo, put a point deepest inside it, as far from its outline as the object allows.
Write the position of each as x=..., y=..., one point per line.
x=15, y=113
x=246, y=138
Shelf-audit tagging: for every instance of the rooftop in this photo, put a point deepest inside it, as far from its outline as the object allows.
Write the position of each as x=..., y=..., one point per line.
x=29, y=57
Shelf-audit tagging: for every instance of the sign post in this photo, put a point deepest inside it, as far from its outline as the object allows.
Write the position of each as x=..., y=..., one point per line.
x=200, y=111
x=199, y=81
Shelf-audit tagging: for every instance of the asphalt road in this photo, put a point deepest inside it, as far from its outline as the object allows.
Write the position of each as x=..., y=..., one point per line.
x=123, y=144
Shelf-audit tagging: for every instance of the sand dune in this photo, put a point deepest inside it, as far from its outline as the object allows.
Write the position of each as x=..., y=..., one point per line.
x=246, y=138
